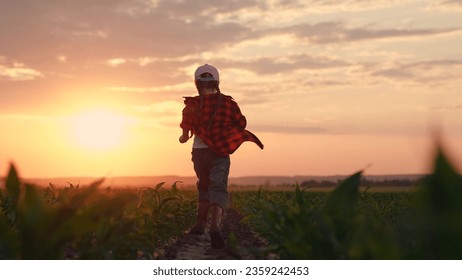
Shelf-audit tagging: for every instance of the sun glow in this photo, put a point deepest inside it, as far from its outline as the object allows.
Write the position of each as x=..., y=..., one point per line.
x=99, y=129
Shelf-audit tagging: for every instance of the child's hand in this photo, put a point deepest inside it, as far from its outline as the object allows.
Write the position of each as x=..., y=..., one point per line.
x=183, y=139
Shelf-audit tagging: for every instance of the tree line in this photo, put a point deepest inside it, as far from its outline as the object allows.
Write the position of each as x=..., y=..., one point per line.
x=367, y=182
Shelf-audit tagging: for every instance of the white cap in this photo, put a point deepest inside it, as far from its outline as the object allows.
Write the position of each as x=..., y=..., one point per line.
x=207, y=68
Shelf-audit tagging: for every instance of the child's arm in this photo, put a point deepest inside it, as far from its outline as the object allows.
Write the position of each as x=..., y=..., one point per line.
x=185, y=136
x=187, y=122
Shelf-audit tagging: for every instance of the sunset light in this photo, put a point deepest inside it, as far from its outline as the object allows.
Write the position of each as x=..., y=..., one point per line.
x=99, y=129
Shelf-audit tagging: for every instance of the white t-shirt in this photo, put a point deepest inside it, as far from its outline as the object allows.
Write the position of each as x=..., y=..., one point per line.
x=198, y=143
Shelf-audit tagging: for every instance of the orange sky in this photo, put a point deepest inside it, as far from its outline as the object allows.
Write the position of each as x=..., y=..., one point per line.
x=94, y=88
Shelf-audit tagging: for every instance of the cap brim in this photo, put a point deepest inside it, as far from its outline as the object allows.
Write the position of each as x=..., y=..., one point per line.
x=208, y=79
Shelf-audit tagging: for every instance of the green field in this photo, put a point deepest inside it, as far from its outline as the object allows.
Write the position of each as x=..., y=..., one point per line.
x=349, y=221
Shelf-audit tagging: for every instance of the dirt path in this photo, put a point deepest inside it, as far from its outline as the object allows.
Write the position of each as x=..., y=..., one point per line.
x=241, y=243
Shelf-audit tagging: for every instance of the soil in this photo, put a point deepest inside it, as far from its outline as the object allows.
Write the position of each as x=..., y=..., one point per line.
x=241, y=243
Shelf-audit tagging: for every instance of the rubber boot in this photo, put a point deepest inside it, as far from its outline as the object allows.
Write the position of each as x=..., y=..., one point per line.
x=216, y=239
x=202, y=211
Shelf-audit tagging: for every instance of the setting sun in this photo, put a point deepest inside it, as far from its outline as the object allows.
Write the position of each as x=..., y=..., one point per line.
x=99, y=129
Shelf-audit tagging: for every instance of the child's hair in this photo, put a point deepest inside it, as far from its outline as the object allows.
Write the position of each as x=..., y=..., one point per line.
x=201, y=85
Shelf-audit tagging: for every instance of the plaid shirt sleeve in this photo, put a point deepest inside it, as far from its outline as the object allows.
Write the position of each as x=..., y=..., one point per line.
x=190, y=113
x=238, y=118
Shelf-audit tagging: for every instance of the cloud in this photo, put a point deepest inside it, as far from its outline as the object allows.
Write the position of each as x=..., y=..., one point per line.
x=338, y=32
x=284, y=64
x=116, y=62
x=272, y=14
x=61, y=58
x=95, y=30
x=452, y=2
x=423, y=72
x=446, y=5
x=191, y=9
x=18, y=72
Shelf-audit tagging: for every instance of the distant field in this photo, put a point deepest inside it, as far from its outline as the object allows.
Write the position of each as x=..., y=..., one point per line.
x=238, y=184
x=185, y=181
x=282, y=188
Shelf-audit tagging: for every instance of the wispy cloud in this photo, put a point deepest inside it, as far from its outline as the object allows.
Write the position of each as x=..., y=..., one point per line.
x=448, y=5
x=423, y=72
x=18, y=72
x=284, y=64
x=116, y=62
x=338, y=32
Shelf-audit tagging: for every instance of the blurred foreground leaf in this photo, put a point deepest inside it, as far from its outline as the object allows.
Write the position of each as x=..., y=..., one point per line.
x=439, y=215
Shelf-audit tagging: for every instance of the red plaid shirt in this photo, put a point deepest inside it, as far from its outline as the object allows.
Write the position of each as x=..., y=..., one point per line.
x=218, y=121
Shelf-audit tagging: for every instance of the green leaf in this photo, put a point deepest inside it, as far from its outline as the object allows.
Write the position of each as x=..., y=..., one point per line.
x=8, y=240
x=443, y=189
x=440, y=212
x=343, y=199
x=13, y=185
x=159, y=186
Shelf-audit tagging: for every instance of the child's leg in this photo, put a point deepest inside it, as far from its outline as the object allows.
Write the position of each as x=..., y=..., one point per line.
x=201, y=220
x=216, y=239
x=218, y=190
x=202, y=169
x=212, y=172
x=218, y=184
